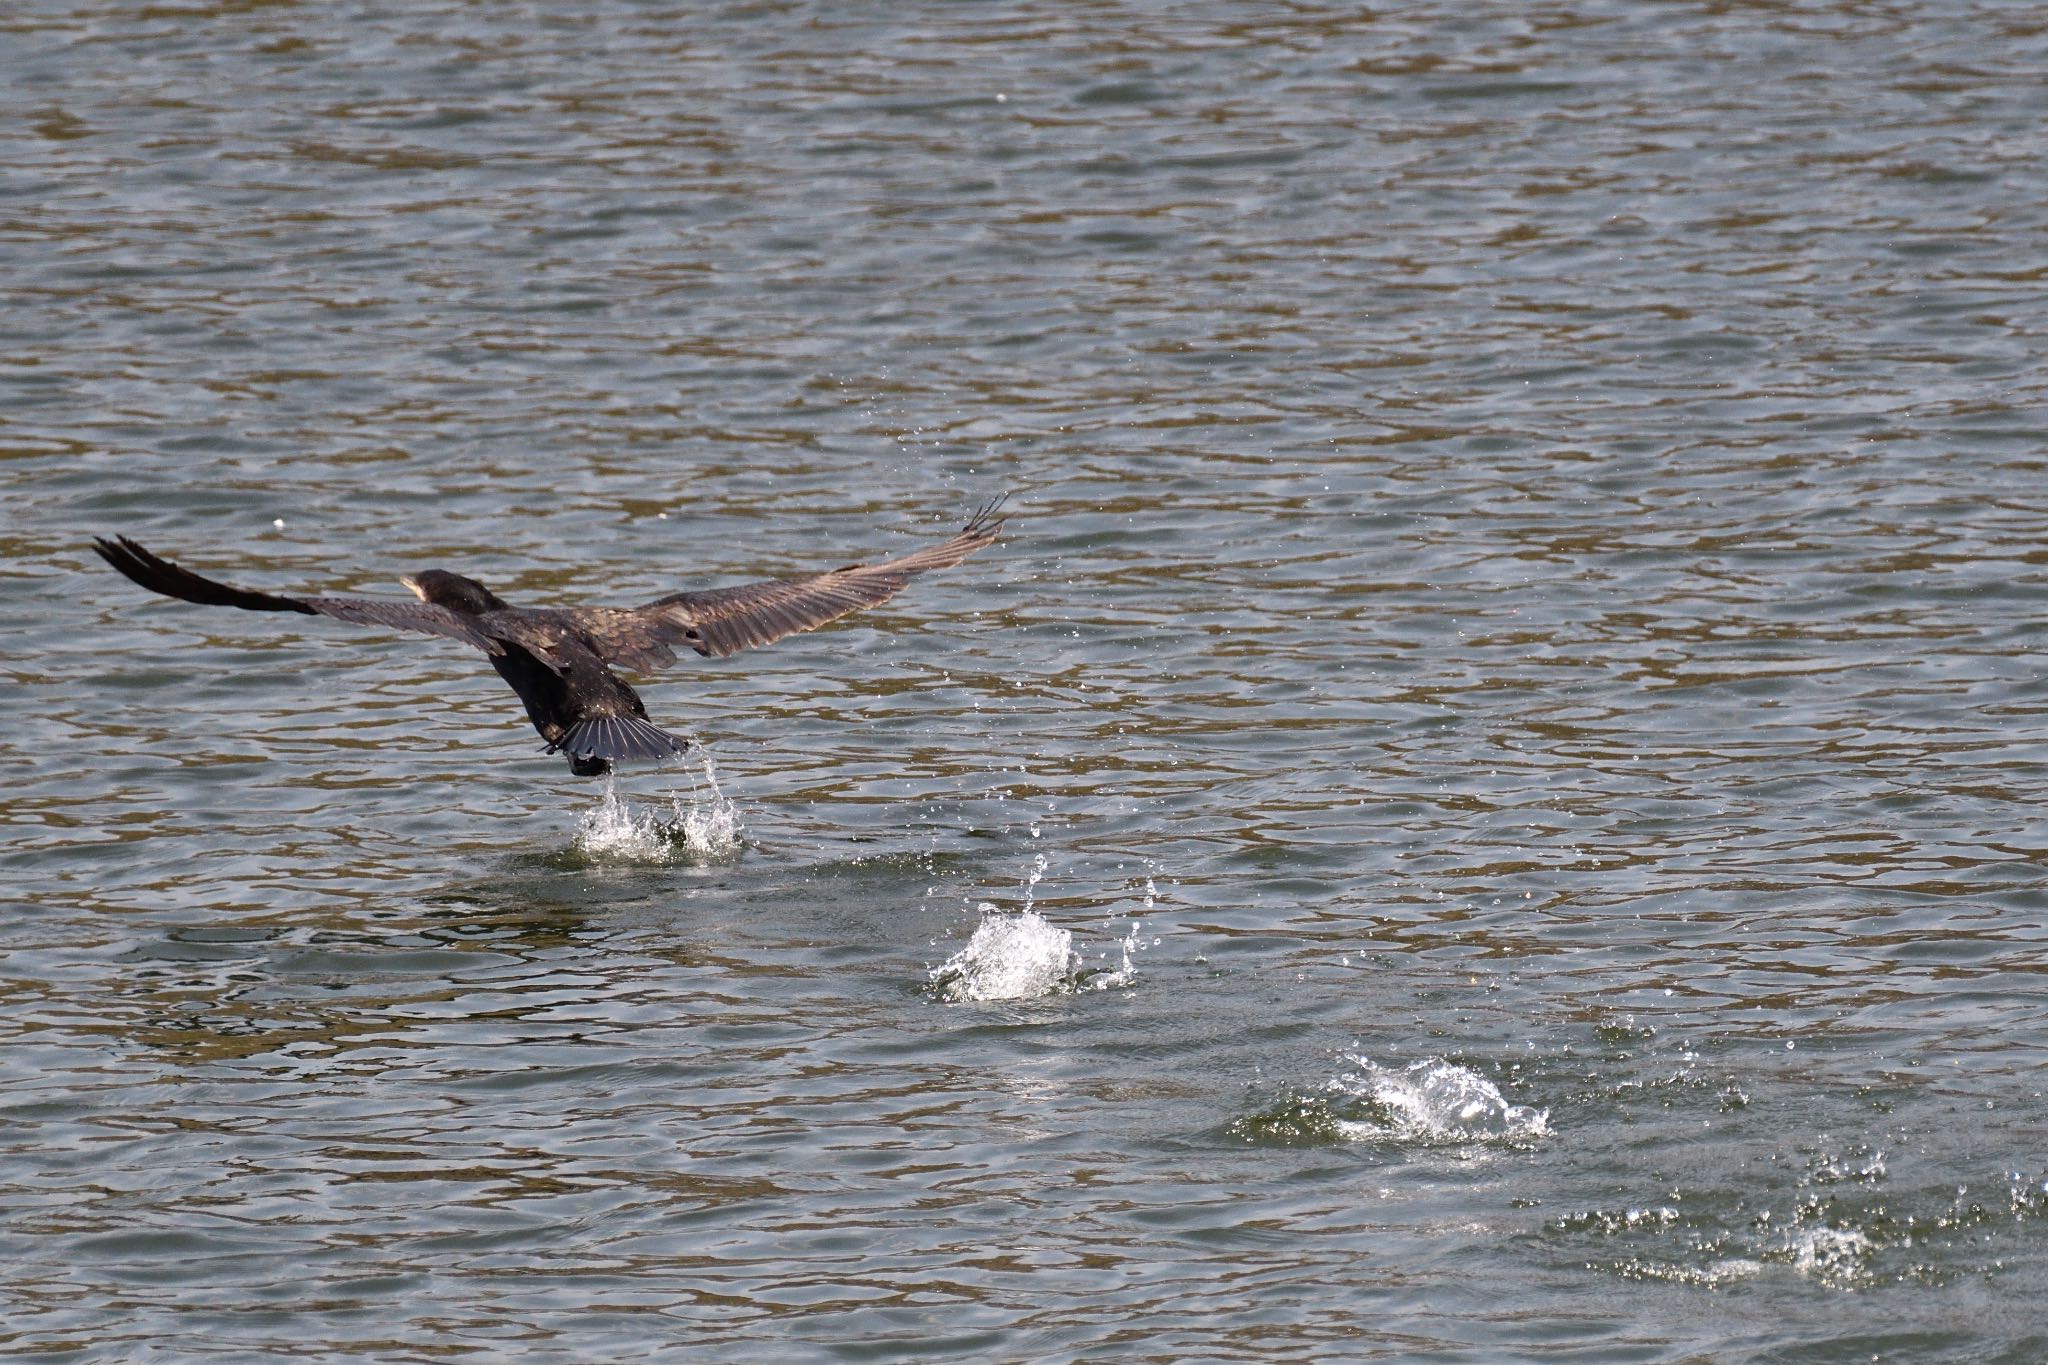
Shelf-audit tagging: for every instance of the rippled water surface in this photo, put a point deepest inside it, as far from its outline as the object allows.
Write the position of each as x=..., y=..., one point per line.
x=1515, y=665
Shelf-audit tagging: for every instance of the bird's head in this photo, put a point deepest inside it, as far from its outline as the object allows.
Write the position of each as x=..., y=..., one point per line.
x=451, y=590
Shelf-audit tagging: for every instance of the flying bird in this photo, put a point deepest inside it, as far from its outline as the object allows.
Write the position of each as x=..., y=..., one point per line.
x=559, y=659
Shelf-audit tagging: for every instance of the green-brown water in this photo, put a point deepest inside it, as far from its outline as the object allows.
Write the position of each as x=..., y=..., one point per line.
x=1527, y=545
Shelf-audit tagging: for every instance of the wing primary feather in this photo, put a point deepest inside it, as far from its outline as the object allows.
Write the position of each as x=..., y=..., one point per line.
x=160, y=575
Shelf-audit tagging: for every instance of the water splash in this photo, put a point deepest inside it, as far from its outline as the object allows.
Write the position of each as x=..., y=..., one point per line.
x=1032, y=879
x=1126, y=972
x=611, y=832
x=710, y=827
x=1130, y=945
x=1845, y=1230
x=1839, y=1257
x=1431, y=1101
x=1434, y=1101
x=699, y=828
x=1021, y=955
x=1010, y=957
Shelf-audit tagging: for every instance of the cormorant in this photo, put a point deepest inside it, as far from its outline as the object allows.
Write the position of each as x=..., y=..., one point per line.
x=558, y=659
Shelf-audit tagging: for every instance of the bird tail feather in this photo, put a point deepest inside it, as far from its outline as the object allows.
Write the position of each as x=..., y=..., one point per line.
x=618, y=737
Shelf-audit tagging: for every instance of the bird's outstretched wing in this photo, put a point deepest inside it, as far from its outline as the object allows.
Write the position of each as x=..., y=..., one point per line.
x=160, y=575
x=726, y=620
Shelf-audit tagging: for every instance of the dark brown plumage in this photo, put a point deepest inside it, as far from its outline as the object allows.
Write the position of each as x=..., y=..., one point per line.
x=558, y=659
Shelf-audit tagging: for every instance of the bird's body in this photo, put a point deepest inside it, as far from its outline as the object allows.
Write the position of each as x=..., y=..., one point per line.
x=559, y=660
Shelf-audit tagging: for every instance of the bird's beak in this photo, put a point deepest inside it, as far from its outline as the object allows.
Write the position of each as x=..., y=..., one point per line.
x=412, y=586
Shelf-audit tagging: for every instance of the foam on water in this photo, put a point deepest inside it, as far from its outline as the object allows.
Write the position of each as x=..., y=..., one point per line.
x=699, y=827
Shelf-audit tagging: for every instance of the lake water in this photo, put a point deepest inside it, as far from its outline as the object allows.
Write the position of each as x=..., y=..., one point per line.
x=1504, y=748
